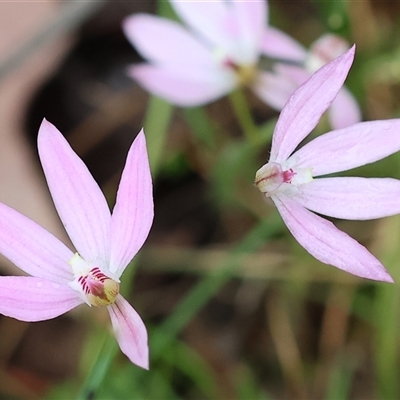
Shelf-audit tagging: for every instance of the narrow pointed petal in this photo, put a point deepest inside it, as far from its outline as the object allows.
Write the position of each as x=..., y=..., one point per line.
x=251, y=18
x=182, y=86
x=274, y=89
x=305, y=107
x=163, y=41
x=277, y=44
x=352, y=197
x=327, y=243
x=130, y=332
x=344, y=110
x=133, y=212
x=350, y=147
x=32, y=248
x=35, y=299
x=210, y=19
x=79, y=201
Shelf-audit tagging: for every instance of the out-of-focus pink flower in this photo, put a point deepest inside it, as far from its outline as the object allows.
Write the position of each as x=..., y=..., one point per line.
x=289, y=178
x=60, y=279
x=344, y=110
x=217, y=51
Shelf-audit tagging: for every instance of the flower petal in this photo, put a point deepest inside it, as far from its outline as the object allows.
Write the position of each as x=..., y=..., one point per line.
x=163, y=41
x=182, y=86
x=344, y=110
x=133, y=212
x=35, y=299
x=350, y=147
x=234, y=28
x=351, y=198
x=277, y=44
x=32, y=248
x=130, y=332
x=251, y=18
x=274, y=89
x=210, y=19
x=305, y=107
x=327, y=243
x=79, y=201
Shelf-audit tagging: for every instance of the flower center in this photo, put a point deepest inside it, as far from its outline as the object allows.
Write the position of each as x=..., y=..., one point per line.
x=272, y=178
x=95, y=287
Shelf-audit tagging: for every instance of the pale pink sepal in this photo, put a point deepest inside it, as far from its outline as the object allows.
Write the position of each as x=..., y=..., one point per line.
x=78, y=198
x=274, y=88
x=250, y=18
x=210, y=19
x=183, y=86
x=304, y=108
x=35, y=299
x=351, y=197
x=133, y=212
x=351, y=147
x=130, y=332
x=344, y=110
x=327, y=243
x=277, y=44
x=163, y=41
x=32, y=248
x=233, y=26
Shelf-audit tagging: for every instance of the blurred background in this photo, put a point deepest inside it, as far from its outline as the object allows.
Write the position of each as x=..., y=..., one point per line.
x=235, y=308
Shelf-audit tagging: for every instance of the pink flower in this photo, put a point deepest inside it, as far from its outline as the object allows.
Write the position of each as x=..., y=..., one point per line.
x=289, y=178
x=344, y=110
x=105, y=244
x=217, y=52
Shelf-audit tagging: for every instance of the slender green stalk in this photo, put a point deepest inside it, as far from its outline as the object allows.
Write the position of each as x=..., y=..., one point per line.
x=209, y=286
x=155, y=124
x=243, y=115
x=386, y=318
x=99, y=370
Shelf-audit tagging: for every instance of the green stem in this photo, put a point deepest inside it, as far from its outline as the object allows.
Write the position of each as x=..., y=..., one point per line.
x=243, y=115
x=155, y=124
x=210, y=285
x=99, y=369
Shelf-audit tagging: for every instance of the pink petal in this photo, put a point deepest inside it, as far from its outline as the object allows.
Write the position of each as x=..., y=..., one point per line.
x=344, y=110
x=130, y=332
x=274, y=89
x=277, y=44
x=233, y=28
x=327, y=243
x=251, y=19
x=32, y=248
x=350, y=147
x=163, y=41
x=305, y=107
x=133, y=212
x=182, y=86
x=35, y=299
x=210, y=19
x=77, y=197
x=351, y=198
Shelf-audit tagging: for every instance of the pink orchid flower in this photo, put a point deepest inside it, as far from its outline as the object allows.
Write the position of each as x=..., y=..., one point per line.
x=217, y=52
x=344, y=110
x=288, y=178
x=105, y=244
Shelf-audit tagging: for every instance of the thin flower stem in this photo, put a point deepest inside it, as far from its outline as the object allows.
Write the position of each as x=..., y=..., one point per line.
x=99, y=369
x=211, y=284
x=155, y=124
x=243, y=115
